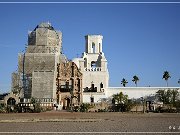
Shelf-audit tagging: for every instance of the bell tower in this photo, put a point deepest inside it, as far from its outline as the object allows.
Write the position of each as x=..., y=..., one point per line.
x=93, y=43
x=93, y=66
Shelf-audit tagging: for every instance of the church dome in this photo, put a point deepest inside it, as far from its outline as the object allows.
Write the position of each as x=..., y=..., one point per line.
x=46, y=25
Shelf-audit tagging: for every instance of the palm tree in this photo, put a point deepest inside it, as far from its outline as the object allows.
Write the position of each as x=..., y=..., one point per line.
x=166, y=76
x=124, y=82
x=120, y=98
x=135, y=79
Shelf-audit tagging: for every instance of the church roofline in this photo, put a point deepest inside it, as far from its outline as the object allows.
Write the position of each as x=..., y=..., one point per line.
x=46, y=25
x=143, y=87
x=89, y=35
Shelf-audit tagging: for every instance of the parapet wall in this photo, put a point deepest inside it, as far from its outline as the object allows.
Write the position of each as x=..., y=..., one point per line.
x=137, y=92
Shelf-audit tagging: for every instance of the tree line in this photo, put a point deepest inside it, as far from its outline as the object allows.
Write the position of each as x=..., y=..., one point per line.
x=136, y=79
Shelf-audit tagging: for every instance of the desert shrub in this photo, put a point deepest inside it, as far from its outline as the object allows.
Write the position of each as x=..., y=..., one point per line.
x=177, y=105
x=76, y=109
x=84, y=107
x=102, y=110
x=36, y=105
x=165, y=110
x=37, y=108
x=123, y=107
x=2, y=108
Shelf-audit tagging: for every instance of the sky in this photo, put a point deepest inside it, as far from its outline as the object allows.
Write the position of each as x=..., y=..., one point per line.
x=140, y=39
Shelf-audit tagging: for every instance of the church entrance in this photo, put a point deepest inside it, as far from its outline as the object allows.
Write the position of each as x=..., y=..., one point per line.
x=11, y=102
x=66, y=103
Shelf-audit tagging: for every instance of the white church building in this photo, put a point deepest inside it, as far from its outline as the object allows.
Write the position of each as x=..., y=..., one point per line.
x=93, y=66
x=95, y=81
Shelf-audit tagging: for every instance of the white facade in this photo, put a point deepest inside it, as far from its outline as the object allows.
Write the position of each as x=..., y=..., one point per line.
x=96, y=96
x=93, y=66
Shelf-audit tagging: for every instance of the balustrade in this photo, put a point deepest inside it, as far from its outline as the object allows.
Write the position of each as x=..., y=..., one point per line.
x=93, y=69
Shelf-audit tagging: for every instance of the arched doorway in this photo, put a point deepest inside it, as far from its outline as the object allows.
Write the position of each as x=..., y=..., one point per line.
x=68, y=103
x=11, y=101
x=93, y=64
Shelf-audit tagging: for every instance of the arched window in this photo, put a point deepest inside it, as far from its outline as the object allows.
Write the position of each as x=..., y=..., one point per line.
x=93, y=64
x=85, y=62
x=67, y=85
x=93, y=47
x=101, y=85
x=92, y=99
x=99, y=47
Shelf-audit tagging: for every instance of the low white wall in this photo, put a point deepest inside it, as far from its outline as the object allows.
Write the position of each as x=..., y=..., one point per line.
x=132, y=92
x=97, y=97
x=136, y=92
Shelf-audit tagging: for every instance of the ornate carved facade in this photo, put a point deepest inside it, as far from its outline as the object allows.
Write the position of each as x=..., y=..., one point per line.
x=69, y=85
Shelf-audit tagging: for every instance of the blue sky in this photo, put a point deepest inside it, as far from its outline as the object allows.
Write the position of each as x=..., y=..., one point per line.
x=139, y=39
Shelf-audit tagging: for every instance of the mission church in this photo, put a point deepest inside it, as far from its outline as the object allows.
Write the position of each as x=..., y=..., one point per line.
x=45, y=73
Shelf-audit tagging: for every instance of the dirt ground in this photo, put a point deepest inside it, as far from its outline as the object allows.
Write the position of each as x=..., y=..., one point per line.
x=55, y=122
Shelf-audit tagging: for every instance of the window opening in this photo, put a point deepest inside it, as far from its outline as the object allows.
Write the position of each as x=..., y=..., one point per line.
x=93, y=64
x=101, y=85
x=93, y=47
x=92, y=99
